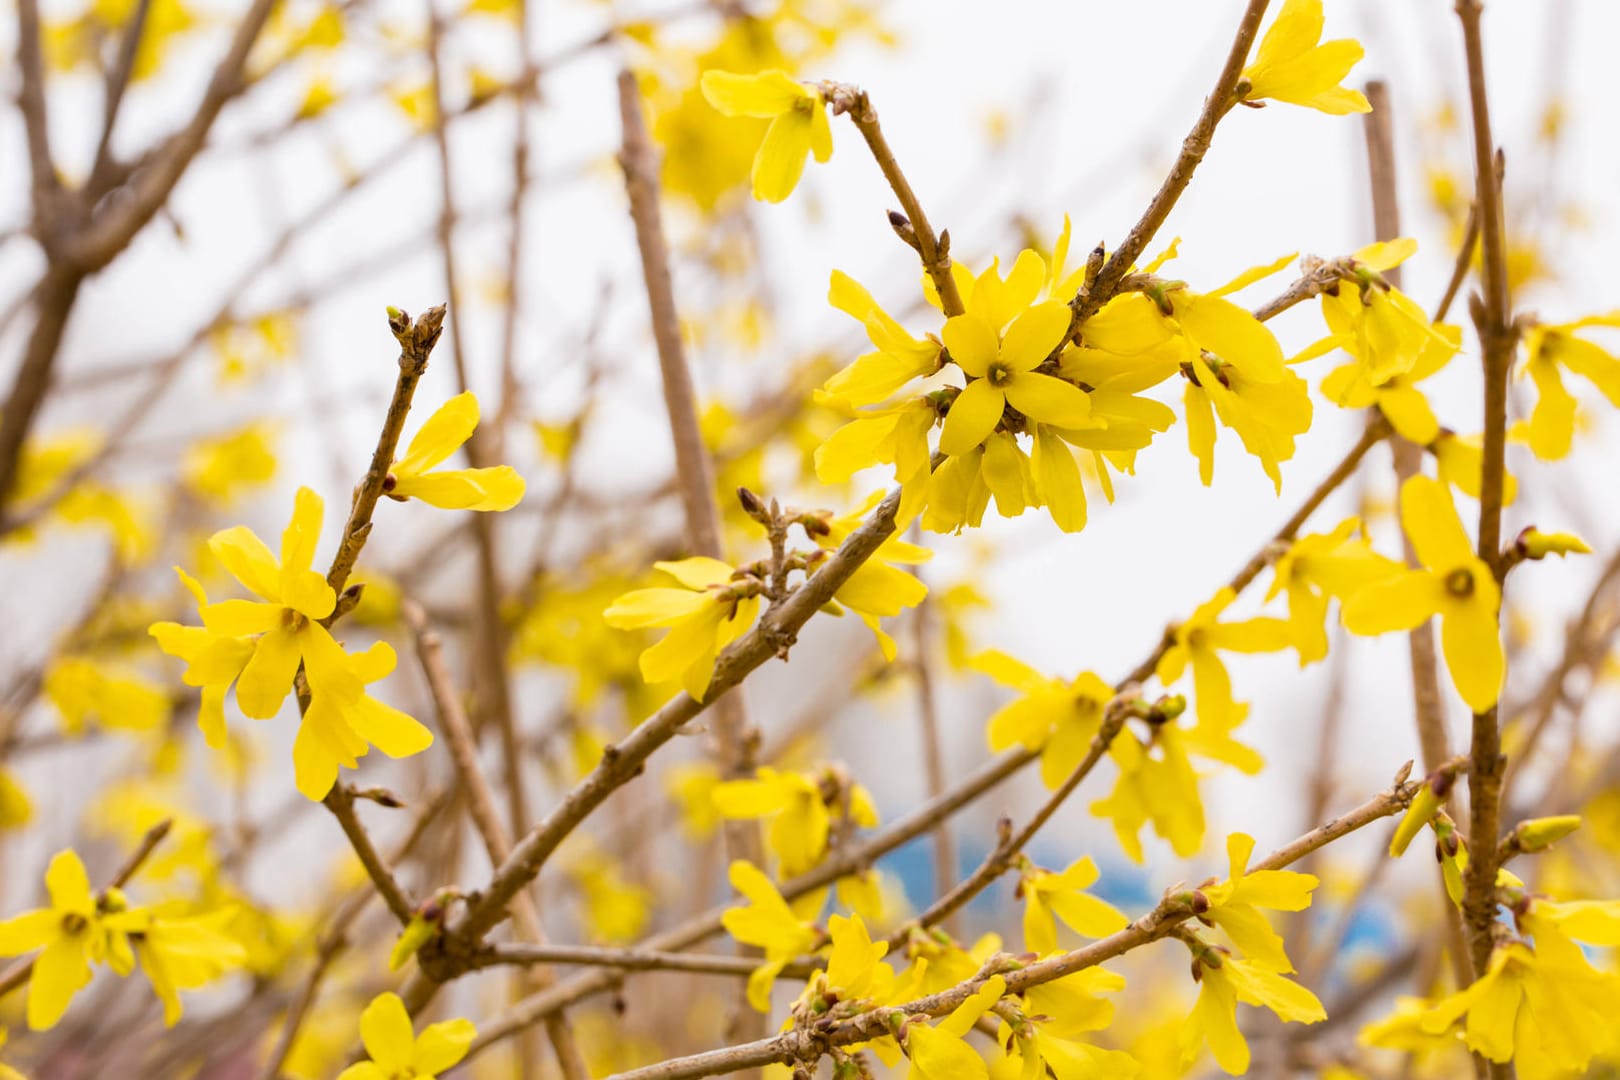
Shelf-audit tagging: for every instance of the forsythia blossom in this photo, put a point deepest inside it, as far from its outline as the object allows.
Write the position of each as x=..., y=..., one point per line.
x=798, y=128
x=398, y=1053
x=1454, y=584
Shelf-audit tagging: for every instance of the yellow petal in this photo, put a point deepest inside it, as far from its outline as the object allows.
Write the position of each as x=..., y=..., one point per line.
x=972, y=417
x=450, y=426
x=766, y=94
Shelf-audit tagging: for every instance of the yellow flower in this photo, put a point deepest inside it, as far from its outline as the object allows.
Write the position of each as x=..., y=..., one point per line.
x=1234, y=904
x=1460, y=460
x=495, y=488
x=1196, y=642
x=1454, y=584
x=797, y=805
x=1057, y=718
x=768, y=922
x=691, y=784
x=941, y=1052
x=1224, y=980
x=222, y=468
x=798, y=128
x=1043, y=1034
x=709, y=612
x=895, y=435
x=286, y=621
x=855, y=968
x=398, y=1053
x=1552, y=349
x=1159, y=787
x=213, y=661
x=113, y=695
x=1318, y=567
x=1395, y=393
x=1002, y=373
x=1047, y=895
x=341, y=725
x=184, y=954
x=878, y=587
x=1385, y=330
x=1291, y=66
x=899, y=358
x=74, y=932
x=1545, y=1008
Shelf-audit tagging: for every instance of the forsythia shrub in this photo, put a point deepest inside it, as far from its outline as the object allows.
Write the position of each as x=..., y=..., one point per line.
x=548, y=880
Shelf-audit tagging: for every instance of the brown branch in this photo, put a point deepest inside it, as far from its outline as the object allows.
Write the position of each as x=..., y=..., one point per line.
x=1459, y=269
x=934, y=249
x=1492, y=315
x=334, y=939
x=340, y=800
x=497, y=843
x=117, y=83
x=633, y=960
x=416, y=340
x=31, y=100
x=701, y=927
x=1170, y=913
x=1193, y=148
x=624, y=760
x=105, y=235
x=1002, y=857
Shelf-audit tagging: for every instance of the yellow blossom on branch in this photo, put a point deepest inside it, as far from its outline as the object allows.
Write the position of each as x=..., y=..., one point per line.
x=783, y=931
x=706, y=614
x=77, y=930
x=1296, y=66
x=941, y=1051
x=1235, y=904
x=1320, y=567
x=498, y=487
x=1057, y=718
x=899, y=358
x=1224, y=981
x=398, y=1053
x=1554, y=349
x=1454, y=584
x=1200, y=640
x=1049, y=896
x=801, y=809
x=798, y=128
x=341, y=726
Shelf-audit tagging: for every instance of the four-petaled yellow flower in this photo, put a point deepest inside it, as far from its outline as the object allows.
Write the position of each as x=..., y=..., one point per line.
x=78, y=929
x=213, y=661
x=1199, y=642
x=1454, y=584
x=797, y=805
x=1062, y=895
x=708, y=613
x=1320, y=567
x=1003, y=373
x=798, y=128
x=783, y=931
x=398, y=1053
x=1551, y=350
x=1545, y=1008
x=1057, y=718
x=498, y=487
x=184, y=953
x=899, y=358
x=286, y=620
x=339, y=728
x=1292, y=66
x=1234, y=904
x=1225, y=980
x=941, y=1052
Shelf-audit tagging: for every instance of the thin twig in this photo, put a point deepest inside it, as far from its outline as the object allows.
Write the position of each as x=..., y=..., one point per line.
x=1193, y=148
x=634, y=960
